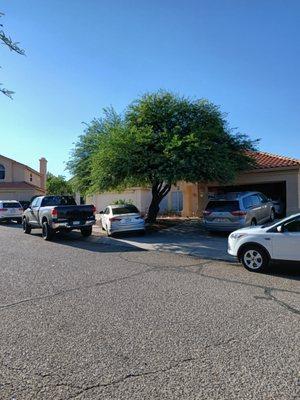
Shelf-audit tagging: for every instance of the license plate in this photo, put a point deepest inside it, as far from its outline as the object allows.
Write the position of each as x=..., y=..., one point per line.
x=76, y=222
x=221, y=220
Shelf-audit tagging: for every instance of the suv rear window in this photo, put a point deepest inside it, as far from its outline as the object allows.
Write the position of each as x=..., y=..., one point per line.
x=125, y=210
x=223, y=206
x=12, y=205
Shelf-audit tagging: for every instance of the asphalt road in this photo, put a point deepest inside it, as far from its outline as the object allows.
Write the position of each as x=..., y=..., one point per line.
x=83, y=320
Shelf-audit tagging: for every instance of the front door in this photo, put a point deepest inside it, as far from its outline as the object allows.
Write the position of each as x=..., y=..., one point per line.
x=286, y=244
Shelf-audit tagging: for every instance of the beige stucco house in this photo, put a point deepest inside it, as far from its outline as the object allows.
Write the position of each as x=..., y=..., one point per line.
x=276, y=176
x=20, y=182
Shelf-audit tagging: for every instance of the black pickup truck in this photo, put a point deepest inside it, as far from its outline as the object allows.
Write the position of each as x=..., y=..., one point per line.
x=58, y=213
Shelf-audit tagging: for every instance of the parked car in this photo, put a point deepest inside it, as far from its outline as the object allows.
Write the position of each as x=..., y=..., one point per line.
x=122, y=218
x=11, y=210
x=255, y=247
x=58, y=213
x=238, y=210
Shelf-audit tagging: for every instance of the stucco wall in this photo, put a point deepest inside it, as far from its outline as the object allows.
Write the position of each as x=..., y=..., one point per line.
x=35, y=178
x=19, y=194
x=136, y=195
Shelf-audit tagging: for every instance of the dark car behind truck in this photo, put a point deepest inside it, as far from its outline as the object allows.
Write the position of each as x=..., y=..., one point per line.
x=58, y=213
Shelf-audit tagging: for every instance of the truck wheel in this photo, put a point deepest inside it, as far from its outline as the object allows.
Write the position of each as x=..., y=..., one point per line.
x=47, y=231
x=26, y=226
x=254, y=258
x=86, y=231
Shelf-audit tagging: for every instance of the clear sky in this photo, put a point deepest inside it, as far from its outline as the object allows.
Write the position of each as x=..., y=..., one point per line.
x=83, y=55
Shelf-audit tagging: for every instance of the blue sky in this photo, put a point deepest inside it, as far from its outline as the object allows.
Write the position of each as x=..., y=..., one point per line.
x=83, y=55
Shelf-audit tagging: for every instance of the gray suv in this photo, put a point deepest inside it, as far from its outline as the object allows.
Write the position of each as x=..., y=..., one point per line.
x=238, y=210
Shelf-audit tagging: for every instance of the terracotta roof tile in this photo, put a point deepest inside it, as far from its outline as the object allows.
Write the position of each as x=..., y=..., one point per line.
x=18, y=185
x=267, y=160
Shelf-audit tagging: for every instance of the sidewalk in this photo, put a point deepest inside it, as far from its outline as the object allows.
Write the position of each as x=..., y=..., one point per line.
x=188, y=237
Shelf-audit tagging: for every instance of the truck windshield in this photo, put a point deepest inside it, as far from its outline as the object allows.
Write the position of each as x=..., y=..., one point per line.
x=52, y=201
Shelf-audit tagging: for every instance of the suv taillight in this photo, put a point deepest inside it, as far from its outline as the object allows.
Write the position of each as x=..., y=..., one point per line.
x=239, y=213
x=94, y=210
x=3, y=209
x=54, y=212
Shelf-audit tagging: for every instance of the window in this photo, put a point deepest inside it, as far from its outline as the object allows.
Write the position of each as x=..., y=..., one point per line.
x=53, y=201
x=263, y=198
x=12, y=205
x=2, y=172
x=35, y=202
x=255, y=200
x=292, y=226
x=223, y=206
x=247, y=202
x=125, y=210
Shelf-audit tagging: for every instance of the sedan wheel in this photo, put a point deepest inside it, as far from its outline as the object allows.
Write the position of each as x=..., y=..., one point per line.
x=255, y=259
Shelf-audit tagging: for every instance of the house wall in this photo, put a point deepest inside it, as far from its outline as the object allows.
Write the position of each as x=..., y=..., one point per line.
x=16, y=173
x=139, y=197
x=31, y=177
x=11, y=194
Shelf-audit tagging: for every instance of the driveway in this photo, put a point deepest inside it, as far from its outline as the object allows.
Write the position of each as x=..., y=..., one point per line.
x=88, y=320
x=188, y=237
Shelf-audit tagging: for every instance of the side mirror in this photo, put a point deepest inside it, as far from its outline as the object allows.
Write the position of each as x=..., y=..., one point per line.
x=279, y=228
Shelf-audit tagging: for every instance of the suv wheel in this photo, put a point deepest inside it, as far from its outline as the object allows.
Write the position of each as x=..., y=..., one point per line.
x=26, y=226
x=47, y=231
x=254, y=258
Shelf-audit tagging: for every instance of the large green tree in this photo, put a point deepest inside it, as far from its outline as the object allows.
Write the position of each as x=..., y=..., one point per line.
x=58, y=185
x=162, y=139
x=80, y=163
x=13, y=46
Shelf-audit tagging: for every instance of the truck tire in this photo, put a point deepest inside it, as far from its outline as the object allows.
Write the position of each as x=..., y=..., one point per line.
x=26, y=226
x=86, y=231
x=47, y=231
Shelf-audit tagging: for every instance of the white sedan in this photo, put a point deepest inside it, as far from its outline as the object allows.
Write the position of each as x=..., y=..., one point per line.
x=255, y=247
x=122, y=218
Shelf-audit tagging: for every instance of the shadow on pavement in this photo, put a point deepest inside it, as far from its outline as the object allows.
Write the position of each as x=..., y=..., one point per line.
x=93, y=244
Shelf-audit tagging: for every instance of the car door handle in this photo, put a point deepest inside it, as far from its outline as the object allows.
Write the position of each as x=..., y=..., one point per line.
x=267, y=238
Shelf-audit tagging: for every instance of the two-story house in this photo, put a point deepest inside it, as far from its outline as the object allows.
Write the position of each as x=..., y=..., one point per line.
x=20, y=182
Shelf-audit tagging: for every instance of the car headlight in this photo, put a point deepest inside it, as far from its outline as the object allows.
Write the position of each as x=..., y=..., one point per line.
x=237, y=235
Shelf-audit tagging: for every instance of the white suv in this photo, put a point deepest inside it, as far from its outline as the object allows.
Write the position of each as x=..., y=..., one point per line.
x=11, y=210
x=255, y=247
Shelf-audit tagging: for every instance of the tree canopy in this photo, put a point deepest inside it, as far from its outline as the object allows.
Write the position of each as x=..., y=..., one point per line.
x=58, y=185
x=161, y=139
x=13, y=46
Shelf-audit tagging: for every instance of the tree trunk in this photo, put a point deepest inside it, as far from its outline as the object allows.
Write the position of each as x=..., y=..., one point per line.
x=159, y=191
